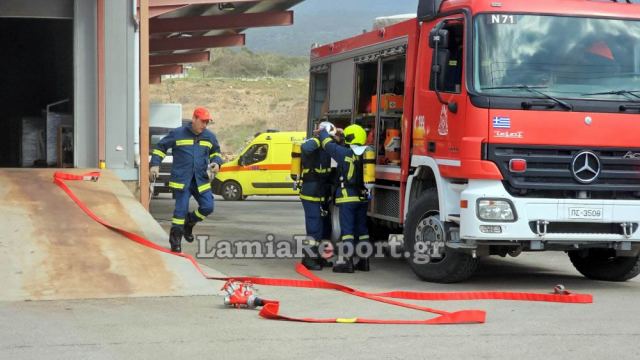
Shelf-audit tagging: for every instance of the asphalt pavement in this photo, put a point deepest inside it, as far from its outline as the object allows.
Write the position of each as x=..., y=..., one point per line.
x=201, y=327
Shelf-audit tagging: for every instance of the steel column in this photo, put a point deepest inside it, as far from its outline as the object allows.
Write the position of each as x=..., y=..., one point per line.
x=102, y=113
x=144, y=103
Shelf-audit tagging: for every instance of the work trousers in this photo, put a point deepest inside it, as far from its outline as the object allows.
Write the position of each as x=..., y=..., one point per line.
x=353, y=222
x=181, y=211
x=317, y=226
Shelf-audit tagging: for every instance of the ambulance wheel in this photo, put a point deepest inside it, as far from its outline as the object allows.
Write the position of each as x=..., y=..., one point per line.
x=231, y=191
x=603, y=264
x=424, y=244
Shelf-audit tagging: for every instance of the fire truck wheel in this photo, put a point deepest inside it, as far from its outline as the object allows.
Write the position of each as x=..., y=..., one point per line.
x=603, y=264
x=231, y=191
x=424, y=243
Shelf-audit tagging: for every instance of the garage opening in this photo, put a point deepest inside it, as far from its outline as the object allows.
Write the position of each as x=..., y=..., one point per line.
x=36, y=92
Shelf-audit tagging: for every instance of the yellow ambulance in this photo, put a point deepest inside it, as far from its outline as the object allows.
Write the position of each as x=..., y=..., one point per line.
x=262, y=168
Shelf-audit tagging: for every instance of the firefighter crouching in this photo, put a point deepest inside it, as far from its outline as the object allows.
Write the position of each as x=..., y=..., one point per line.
x=314, y=195
x=351, y=195
x=196, y=159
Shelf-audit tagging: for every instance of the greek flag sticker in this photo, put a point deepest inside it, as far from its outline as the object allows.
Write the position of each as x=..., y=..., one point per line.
x=501, y=122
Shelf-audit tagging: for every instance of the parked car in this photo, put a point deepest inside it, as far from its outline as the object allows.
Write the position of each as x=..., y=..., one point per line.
x=262, y=168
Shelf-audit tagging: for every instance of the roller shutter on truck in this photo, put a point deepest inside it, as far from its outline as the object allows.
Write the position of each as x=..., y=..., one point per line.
x=341, y=87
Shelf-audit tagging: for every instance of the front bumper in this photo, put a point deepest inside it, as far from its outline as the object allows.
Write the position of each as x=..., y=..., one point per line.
x=548, y=219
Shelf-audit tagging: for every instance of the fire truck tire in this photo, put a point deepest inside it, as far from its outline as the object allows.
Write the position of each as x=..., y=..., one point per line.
x=453, y=266
x=231, y=191
x=603, y=264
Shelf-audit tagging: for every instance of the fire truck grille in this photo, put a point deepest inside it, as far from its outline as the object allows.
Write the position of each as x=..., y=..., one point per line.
x=387, y=202
x=560, y=171
x=583, y=228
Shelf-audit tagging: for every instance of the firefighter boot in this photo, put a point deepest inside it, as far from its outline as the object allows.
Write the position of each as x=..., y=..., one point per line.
x=343, y=265
x=311, y=259
x=175, y=238
x=362, y=264
x=188, y=227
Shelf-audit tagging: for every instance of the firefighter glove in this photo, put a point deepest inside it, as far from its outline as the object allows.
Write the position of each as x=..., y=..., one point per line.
x=154, y=173
x=212, y=170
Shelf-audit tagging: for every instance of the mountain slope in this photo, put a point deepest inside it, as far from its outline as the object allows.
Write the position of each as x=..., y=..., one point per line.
x=324, y=21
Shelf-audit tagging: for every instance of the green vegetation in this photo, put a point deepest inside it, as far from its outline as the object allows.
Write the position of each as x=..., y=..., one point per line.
x=243, y=63
x=245, y=92
x=236, y=136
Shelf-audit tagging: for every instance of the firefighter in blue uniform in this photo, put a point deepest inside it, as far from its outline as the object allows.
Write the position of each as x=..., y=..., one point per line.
x=351, y=196
x=315, y=195
x=196, y=159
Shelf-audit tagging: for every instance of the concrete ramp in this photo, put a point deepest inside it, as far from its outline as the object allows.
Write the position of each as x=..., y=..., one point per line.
x=50, y=249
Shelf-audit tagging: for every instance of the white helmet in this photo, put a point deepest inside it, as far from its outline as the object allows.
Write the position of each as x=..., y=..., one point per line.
x=325, y=125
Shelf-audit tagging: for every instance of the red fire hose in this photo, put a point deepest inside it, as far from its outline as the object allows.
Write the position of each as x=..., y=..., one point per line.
x=271, y=308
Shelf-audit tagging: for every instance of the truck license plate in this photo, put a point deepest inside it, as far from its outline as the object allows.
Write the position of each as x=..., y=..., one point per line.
x=585, y=213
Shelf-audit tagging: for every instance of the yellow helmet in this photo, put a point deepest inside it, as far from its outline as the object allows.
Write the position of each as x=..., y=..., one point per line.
x=355, y=135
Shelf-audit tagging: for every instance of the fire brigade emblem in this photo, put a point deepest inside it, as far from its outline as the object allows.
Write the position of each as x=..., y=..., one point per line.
x=443, y=126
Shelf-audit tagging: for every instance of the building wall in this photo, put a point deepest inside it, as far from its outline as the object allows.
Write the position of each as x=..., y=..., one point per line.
x=120, y=92
x=51, y=9
x=85, y=84
x=121, y=95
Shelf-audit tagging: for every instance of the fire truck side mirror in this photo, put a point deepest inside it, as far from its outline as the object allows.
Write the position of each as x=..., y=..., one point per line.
x=428, y=9
x=439, y=41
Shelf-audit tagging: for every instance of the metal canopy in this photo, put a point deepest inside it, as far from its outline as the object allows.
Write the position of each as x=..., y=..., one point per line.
x=182, y=31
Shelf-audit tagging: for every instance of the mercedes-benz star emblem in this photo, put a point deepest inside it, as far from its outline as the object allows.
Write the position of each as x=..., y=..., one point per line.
x=585, y=167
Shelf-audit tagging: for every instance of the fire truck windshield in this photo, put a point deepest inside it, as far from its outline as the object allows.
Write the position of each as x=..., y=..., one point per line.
x=570, y=57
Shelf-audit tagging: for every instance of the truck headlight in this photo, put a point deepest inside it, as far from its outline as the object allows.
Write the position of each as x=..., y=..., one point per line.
x=496, y=210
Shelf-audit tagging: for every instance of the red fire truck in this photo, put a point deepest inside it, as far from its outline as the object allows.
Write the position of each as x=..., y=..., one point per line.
x=500, y=127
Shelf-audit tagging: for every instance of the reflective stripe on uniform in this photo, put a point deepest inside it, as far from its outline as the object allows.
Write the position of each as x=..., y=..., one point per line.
x=363, y=237
x=177, y=221
x=345, y=198
x=350, y=160
x=346, y=237
x=184, y=142
x=316, y=170
x=326, y=141
x=204, y=187
x=202, y=217
x=159, y=153
x=311, y=198
x=206, y=143
x=316, y=140
x=310, y=242
x=214, y=155
x=175, y=185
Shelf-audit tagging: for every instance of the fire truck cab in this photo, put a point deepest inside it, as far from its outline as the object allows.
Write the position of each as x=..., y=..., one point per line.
x=500, y=127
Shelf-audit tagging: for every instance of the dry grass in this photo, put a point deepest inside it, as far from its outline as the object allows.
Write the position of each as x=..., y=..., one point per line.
x=240, y=107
